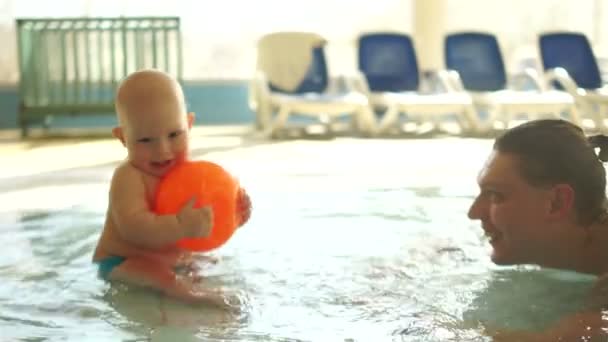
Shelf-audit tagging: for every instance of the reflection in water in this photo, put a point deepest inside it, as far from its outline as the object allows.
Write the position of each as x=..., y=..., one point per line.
x=529, y=299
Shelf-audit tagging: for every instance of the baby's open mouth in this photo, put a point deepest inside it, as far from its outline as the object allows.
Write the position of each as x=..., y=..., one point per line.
x=161, y=164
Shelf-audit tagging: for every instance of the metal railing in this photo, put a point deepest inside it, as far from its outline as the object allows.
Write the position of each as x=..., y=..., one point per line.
x=71, y=66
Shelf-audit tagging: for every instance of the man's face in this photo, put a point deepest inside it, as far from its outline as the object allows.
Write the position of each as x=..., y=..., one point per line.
x=512, y=212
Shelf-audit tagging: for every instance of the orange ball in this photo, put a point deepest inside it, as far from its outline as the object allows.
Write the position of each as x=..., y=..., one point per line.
x=213, y=186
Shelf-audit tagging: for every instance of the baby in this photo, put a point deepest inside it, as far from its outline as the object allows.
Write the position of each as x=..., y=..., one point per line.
x=136, y=245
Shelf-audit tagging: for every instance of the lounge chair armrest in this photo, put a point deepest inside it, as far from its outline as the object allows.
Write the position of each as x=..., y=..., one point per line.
x=335, y=85
x=450, y=79
x=259, y=99
x=357, y=81
x=350, y=82
x=258, y=90
x=561, y=77
x=528, y=75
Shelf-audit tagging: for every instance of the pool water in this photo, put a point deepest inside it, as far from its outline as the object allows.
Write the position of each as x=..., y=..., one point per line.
x=350, y=240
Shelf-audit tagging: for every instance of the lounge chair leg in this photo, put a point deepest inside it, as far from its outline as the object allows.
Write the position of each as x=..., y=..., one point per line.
x=327, y=121
x=471, y=121
x=493, y=115
x=575, y=116
x=599, y=118
x=263, y=117
x=279, y=122
x=24, y=128
x=364, y=120
x=389, y=119
x=507, y=117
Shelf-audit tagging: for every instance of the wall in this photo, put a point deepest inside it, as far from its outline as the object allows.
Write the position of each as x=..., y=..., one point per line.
x=219, y=39
x=213, y=102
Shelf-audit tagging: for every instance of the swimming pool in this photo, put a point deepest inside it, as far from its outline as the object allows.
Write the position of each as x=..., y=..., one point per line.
x=350, y=240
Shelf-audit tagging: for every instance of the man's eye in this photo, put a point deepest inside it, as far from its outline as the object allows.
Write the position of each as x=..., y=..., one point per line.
x=144, y=140
x=175, y=134
x=494, y=196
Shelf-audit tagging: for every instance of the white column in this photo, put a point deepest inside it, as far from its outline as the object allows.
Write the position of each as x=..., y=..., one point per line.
x=429, y=30
x=598, y=9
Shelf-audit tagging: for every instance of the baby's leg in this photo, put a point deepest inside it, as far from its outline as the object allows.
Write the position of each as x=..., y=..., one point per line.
x=147, y=273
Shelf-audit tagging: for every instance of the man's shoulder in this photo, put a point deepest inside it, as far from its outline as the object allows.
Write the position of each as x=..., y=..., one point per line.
x=598, y=296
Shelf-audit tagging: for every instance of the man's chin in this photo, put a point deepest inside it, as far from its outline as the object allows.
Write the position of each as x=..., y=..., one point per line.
x=502, y=260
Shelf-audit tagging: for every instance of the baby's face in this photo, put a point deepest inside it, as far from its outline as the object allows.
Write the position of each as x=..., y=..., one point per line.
x=156, y=134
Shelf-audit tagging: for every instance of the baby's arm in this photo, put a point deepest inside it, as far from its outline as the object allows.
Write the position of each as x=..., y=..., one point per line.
x=136, y=221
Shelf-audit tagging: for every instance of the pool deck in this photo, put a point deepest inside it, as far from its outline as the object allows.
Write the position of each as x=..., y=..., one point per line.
x=80, y=149
x=72, y=158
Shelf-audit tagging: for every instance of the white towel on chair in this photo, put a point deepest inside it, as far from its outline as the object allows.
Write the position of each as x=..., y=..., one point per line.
x=285, y=57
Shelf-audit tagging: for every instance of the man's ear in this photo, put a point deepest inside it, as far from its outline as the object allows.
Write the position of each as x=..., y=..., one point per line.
x=190, y=119
x=562, y=200
x=117, y=133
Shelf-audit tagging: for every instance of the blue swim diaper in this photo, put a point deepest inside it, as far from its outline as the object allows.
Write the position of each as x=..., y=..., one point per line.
x=106, y=265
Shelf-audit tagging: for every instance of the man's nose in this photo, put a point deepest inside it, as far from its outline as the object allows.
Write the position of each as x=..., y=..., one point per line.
x=474, y=212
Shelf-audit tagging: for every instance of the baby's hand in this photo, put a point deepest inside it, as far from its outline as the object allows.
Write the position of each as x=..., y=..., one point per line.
x=196, y=222
x=243, y=207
